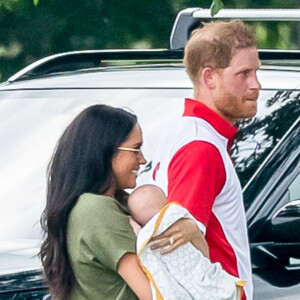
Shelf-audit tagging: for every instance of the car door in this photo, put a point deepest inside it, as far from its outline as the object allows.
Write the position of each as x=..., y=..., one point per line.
x=274, y=221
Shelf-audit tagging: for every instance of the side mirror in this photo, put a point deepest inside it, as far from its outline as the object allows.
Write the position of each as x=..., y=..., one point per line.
x=285, y=223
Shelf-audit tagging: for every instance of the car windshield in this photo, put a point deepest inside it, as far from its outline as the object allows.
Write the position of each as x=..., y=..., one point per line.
x=33, y=119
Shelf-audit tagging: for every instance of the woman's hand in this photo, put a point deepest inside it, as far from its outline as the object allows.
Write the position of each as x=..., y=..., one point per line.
x=183, y=231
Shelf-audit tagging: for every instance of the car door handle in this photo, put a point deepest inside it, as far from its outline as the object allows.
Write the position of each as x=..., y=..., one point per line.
x=294, y=264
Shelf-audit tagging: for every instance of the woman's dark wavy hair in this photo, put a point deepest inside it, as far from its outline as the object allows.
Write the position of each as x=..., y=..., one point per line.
x=81, y=163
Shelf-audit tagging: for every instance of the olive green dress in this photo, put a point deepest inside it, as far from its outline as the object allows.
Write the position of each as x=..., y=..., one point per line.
x=98, y=235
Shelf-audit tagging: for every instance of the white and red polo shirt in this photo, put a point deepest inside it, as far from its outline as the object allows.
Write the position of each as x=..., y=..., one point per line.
x=193, y=167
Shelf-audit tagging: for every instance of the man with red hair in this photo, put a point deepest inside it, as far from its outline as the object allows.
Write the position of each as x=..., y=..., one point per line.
x=192, y=162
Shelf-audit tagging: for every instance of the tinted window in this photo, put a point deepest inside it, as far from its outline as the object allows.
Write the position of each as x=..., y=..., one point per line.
x=277, y=111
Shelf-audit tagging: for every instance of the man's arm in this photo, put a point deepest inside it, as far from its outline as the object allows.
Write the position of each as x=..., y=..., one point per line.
x=196, y=175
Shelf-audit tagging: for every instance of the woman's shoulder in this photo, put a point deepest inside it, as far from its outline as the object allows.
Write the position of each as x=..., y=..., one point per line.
x=95, y=212
x=95, y=198
x=90, y=204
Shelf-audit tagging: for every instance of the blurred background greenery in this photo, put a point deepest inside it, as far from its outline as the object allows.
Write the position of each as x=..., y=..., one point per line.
x=33, y=29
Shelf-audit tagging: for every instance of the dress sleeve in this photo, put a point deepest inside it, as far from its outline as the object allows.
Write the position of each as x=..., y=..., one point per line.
x=196, y=176
x=107, y=233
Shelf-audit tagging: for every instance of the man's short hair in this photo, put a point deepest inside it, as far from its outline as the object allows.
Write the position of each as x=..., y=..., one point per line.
x=213, y=45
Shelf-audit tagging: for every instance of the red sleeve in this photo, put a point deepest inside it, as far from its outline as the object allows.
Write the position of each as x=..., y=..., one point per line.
x=196, y=175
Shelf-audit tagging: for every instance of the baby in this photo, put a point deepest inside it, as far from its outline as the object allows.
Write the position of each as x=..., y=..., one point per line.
x=184, y=273
x=143, y=203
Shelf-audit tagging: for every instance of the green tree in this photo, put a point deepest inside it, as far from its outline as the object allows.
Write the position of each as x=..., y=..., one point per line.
x=33, y=29
x=216, y=5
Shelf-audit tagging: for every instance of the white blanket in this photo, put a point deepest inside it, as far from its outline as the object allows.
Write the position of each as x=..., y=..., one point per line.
x=184, y=273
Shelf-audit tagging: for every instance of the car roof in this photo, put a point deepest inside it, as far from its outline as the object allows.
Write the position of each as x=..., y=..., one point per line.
x=155, y=68
x=190, y=18
x=148, y=76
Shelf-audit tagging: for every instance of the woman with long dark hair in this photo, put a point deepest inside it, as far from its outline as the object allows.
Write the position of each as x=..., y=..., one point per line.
x=89, y=246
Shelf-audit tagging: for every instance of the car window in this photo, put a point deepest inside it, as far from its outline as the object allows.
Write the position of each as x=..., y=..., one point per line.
x=31, y=123
x=277, y=111
x=294, y=189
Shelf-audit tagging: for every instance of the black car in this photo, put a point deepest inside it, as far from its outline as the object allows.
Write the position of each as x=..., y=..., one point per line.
x=37, y=103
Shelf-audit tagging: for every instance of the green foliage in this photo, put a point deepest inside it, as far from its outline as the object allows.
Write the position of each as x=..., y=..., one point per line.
x=215, y=7
x=278, y=35
x=33, y=29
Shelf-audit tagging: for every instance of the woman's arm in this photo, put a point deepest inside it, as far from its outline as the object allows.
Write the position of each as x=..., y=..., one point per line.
x=183, y=231
x=130, y=270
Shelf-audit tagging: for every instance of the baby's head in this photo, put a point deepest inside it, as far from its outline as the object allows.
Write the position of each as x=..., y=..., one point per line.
x=145, y=201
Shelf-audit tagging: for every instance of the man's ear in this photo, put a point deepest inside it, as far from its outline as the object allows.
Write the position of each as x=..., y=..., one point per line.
x=209, y=77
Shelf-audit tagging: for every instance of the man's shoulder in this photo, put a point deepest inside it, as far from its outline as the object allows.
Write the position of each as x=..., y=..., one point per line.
x=185, y=130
